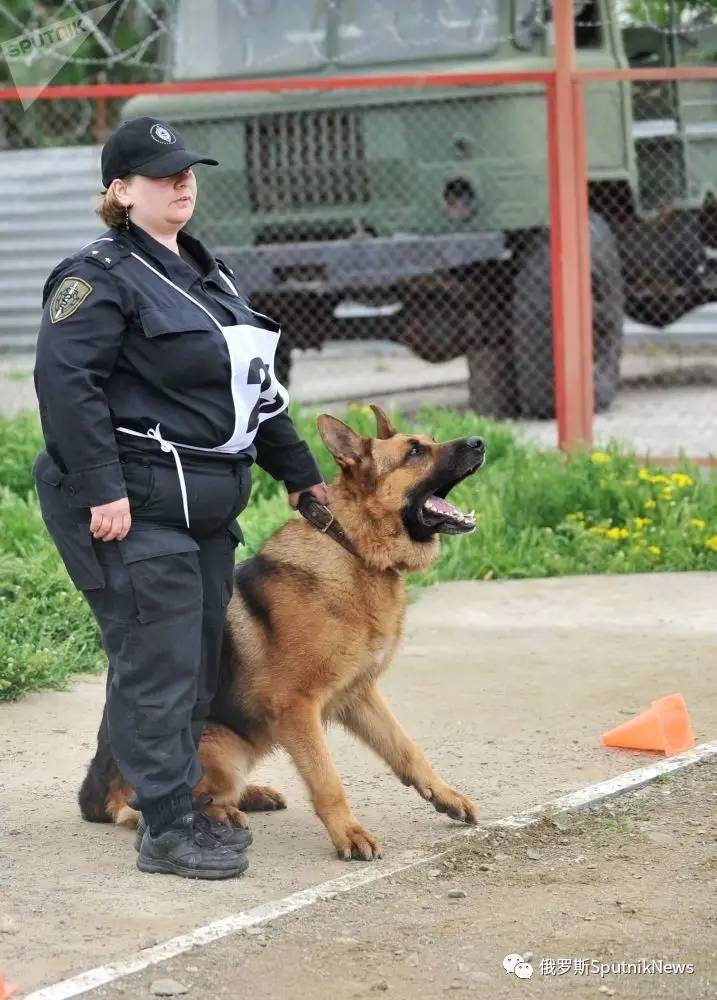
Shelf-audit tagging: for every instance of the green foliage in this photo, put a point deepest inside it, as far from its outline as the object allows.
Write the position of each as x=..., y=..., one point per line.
x=121, y=30
x=667, y=13
x=46, y=631
x=20, y=441
x=539, y=514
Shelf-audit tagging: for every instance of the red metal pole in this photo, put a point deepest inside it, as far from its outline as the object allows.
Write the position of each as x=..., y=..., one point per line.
x=582, y=205
x=569, y=240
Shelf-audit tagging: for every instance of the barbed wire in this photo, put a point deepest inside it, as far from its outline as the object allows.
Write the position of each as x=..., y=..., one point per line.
x=113, y=53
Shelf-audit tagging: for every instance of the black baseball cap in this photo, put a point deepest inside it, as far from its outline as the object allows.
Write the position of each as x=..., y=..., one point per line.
x=149, y=147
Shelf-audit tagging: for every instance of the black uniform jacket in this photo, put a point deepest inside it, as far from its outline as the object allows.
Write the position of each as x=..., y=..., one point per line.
x=119, y=347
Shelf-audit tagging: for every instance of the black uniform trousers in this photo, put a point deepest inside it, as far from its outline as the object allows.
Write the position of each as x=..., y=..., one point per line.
x=160, y=598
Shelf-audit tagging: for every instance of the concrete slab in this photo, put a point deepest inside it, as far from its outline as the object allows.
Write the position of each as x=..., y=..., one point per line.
x=506, y=685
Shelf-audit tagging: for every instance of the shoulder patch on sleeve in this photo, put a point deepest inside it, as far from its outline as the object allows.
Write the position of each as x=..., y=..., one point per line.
x=70, y=294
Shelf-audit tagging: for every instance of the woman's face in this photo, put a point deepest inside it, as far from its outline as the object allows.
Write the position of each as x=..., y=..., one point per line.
x=160, y=204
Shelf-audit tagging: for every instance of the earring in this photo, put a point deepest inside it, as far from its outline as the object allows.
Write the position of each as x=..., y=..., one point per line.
x=126, y=217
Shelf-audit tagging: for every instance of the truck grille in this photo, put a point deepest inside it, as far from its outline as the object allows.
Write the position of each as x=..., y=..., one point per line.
x=308, y=159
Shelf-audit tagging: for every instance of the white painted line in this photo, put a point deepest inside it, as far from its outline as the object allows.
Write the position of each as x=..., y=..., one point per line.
x=613, y=786
x=371, y=872
x=364, y=875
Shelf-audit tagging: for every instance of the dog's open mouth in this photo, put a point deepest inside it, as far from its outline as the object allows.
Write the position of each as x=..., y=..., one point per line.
x=436, y=513
x=429, y=511
x=440, y=514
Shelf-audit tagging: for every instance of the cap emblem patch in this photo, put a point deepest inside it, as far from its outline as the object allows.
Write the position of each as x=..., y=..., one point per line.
x=162, y=134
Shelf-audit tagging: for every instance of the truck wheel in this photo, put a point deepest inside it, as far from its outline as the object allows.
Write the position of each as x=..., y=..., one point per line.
x=491, y=381
x=533, y=322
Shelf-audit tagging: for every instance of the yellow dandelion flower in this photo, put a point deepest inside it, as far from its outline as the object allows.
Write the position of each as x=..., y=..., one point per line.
x=654, y=550
x=649, y=505
x=666, y=493
x=659, y=478
x=637, y=549
x=576, y=518
x=641, y=522
x=600, y=457
x=697, y=522
x=616, y=533
x=711, y=543
x=644, y=475
x=681, y=480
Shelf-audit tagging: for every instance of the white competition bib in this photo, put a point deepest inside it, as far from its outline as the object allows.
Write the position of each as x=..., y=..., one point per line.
x=256, y=392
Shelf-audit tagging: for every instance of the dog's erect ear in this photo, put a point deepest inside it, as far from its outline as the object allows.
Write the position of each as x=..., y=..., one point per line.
x=345, y=444
x=384, y=427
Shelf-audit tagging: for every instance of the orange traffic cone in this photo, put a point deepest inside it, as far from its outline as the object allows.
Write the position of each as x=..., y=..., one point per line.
x=665, y=727
x=6, y=990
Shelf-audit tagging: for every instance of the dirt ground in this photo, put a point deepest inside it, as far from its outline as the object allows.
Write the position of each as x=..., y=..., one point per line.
x=633, y=879
x=507, y=686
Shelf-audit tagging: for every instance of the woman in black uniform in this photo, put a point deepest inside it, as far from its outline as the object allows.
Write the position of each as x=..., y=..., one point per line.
x=157, y=391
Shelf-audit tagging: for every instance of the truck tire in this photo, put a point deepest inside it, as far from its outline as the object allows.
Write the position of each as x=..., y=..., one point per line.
x=666, y=263
x=533, y=322
x=491, y=380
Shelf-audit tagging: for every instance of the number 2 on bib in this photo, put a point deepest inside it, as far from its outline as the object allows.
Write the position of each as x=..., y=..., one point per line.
x=259, y=374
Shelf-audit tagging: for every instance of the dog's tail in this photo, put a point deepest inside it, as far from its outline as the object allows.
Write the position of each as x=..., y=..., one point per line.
x=102, y=771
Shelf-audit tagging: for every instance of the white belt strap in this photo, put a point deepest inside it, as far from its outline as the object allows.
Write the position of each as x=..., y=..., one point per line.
x=155, y=435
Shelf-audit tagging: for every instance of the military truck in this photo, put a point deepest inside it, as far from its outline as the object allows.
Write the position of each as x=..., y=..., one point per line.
x=420, y=214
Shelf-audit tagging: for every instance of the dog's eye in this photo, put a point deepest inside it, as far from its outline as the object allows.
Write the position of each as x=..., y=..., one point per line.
x=415, y=449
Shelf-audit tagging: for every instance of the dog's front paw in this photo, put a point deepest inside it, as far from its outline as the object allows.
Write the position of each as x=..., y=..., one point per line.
x=353, y=841
x=261, y=798
x=454, y=804
x=227, y=814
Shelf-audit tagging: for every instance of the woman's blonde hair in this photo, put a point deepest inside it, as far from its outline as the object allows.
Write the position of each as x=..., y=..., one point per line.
x=110, y=210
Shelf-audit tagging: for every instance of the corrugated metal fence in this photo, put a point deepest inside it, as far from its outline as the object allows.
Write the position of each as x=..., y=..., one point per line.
x=48, y=198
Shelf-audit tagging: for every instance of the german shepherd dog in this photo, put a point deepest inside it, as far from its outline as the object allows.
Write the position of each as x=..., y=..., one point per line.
x=311, y=627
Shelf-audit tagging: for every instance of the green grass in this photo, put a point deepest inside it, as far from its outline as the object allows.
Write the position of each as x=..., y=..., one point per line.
x=539, y=514
x=616, y=824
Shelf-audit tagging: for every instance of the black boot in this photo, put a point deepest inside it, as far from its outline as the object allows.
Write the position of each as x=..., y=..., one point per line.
x=189, y=848
x=233, y=837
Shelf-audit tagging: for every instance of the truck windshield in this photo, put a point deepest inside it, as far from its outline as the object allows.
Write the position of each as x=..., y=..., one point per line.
x=227, y=37
x=384, y=30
